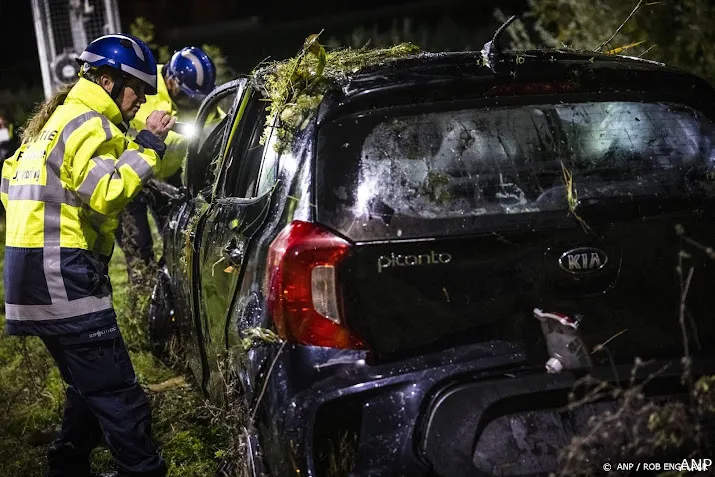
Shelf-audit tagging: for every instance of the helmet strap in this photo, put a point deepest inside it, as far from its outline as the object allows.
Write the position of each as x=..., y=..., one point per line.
x=117, y=88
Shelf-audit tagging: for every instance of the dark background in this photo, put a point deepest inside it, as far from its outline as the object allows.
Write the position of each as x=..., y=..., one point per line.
x=249, y=32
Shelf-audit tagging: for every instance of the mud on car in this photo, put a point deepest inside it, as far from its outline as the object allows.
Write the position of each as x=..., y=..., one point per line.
x=434, y=251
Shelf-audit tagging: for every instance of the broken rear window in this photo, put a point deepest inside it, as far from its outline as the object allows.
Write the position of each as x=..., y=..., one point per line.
x=509, y=160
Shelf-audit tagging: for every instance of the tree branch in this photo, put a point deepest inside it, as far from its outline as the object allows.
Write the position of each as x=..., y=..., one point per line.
x=618, y=30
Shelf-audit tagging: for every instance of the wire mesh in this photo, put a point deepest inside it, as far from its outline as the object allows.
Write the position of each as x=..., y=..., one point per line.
x=75, y=23
x=64, y=28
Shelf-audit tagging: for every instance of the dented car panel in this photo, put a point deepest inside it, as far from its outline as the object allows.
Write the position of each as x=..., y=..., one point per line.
x=376, y=281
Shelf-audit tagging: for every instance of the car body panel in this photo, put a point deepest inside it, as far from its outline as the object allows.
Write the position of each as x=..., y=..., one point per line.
x=185, y=219
x=452, y=323
x=225, y=235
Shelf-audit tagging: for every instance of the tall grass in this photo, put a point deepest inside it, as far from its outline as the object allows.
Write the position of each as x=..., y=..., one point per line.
x=32, y=396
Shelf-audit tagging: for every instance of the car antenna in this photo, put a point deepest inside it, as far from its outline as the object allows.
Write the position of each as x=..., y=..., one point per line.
x=491, y=50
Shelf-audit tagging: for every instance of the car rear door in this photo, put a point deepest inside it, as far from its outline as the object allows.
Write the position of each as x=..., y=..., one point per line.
x=239, y=205
x=464, y=219
x=456, y=221
x=198, y=180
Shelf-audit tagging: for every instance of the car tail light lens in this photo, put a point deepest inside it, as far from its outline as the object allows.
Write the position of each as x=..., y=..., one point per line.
x=302, y=289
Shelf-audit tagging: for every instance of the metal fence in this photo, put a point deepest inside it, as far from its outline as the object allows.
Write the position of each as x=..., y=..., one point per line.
x=63, y=29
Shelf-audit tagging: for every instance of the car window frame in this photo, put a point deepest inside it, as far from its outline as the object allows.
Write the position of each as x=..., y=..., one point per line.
x=197, y=143
x=243, y=135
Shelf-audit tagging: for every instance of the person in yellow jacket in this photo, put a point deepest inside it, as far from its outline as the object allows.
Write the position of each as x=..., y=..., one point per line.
x=182, y=85
x=63, y=190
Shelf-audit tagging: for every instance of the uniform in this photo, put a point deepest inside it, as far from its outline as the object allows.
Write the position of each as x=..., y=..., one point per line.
x=63, y=190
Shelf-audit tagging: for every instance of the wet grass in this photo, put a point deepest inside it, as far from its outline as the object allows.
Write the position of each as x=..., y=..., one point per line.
x=32, y=395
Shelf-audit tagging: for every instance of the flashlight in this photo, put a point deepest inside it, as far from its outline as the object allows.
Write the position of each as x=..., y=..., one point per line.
x=185, y=129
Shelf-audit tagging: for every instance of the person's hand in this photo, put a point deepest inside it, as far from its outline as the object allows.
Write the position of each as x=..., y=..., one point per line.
x=159, y=123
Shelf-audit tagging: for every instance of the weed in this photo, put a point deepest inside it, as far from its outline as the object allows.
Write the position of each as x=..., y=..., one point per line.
x=295, y=87
x=231, y=418
x=572, y=197
x=134, y=299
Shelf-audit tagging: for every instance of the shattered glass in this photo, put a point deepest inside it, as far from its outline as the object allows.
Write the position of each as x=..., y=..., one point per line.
x=512, y=160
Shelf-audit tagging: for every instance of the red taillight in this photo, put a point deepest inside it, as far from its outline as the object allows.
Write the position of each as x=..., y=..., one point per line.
x=517, y=89
x=302, y=288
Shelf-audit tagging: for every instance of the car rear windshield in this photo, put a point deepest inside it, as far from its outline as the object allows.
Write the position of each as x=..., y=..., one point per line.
x=387, y=175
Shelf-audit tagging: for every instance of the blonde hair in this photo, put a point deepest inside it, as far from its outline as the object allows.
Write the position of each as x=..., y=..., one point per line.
x=43, y=112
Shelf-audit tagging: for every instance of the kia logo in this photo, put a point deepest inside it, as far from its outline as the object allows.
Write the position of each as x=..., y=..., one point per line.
x=583, y=260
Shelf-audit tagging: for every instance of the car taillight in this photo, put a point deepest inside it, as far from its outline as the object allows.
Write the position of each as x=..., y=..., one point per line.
x=302, y=287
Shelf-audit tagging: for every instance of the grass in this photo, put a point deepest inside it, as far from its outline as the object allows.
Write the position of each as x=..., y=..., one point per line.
x=32, y=395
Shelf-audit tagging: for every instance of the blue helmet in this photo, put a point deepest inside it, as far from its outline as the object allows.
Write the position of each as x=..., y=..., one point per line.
x=124, y=52
x=194, y=71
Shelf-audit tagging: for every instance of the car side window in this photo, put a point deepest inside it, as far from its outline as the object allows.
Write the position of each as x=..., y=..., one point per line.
x=245, y=152
x=214, y=119
x=269, y=168
x=202, y=174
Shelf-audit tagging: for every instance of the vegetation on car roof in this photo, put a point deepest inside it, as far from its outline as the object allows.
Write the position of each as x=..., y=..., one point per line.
x=295, y=87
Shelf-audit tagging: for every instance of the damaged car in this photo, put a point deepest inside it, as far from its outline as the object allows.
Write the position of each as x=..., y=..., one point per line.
x=409, y=259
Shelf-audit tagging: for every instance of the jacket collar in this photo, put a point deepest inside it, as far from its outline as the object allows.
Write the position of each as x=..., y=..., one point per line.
x=96, y=98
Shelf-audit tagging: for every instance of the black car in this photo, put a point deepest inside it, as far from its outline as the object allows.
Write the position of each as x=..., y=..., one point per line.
x=434, y=254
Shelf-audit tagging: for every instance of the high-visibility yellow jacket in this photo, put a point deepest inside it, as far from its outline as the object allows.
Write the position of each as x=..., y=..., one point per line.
x=176, y=144
x=62, y=192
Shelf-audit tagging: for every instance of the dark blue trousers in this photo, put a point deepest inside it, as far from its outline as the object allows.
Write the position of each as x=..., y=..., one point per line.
x=103, y=398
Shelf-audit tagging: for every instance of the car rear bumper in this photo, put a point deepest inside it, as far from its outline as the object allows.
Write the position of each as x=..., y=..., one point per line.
x=466, y=411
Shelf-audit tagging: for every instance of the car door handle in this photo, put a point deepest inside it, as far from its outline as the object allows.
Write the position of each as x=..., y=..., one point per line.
x=233, y=252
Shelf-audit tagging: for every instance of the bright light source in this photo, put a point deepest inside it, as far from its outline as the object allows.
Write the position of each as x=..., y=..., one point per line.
x=185, y=129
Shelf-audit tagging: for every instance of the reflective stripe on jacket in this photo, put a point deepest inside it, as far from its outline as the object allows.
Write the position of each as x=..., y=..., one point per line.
x=62, y=192
x=176, y=144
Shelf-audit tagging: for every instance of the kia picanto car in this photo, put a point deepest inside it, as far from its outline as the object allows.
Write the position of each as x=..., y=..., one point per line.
x=441, y=245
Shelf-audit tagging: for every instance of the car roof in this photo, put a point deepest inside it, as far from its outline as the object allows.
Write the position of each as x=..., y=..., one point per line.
x=593, y=72
x=472, y=62
x=411, y=77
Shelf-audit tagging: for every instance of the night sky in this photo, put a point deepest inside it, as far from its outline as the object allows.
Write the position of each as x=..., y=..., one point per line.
x=20, y=67
x=19, y=62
